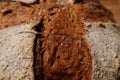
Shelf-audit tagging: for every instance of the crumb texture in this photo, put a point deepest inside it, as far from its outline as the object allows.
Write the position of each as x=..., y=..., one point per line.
x=104, y=39
x=16, y=53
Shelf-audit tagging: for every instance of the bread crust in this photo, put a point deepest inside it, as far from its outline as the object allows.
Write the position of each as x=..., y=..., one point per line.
x=61, y=47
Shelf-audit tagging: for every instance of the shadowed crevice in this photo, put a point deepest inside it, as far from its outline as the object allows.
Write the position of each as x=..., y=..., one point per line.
x=38, y=53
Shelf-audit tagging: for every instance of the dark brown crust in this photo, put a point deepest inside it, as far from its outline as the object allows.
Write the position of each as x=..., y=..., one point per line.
x=13, y=13
x=61, y=50
x=66, y=52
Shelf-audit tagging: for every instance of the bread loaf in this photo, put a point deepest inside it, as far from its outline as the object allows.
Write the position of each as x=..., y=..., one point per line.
x=68, y=40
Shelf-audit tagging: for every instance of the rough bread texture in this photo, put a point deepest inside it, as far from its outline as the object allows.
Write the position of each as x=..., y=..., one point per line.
x=63, y=50
x=16, y=53
x=66, y=53
x=104, y=39
x=14, y=13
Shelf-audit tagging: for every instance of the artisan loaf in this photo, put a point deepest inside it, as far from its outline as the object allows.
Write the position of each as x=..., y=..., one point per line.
x=58, y=40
